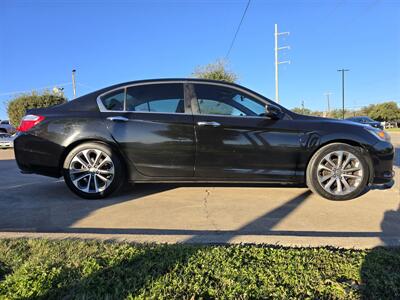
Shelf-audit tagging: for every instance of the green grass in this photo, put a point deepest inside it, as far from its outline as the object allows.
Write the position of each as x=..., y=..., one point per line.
x=393, y=129
x=96, y=270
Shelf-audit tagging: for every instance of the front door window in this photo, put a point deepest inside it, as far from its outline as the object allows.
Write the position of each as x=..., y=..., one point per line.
x=218, y=100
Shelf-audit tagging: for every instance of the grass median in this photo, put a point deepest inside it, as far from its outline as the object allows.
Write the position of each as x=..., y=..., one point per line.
x=36, y=268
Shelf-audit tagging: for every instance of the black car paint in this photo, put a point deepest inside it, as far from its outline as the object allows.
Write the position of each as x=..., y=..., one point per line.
x=172, y=147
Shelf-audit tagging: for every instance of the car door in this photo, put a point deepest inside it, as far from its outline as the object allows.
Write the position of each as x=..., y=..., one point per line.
x=154, y=128
x=234, y=139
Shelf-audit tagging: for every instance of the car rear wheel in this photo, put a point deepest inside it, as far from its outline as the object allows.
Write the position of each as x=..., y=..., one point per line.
x=338, y=172
x=93, y=171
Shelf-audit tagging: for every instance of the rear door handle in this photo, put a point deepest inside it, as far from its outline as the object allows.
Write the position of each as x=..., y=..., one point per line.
x=118, y=119
x=213, y=123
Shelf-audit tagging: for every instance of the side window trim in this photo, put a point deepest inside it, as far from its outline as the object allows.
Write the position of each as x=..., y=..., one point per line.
x=102, y=107
x=193, y=104
x=125, y=89
x=188, y=97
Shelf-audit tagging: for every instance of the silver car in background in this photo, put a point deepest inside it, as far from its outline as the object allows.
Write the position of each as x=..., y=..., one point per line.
x=6, y=127
x=7, y=140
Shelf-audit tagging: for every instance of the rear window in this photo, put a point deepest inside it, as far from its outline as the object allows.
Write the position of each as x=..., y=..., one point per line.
x=165, y=98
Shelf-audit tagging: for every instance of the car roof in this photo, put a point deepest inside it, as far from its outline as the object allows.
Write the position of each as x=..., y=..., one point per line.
x=86, y=102
x=161, y=80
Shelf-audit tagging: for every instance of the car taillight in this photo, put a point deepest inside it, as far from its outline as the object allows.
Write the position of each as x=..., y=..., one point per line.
x=29, y=121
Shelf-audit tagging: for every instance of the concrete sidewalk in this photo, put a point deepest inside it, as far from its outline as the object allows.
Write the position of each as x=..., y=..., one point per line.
x=34, y=206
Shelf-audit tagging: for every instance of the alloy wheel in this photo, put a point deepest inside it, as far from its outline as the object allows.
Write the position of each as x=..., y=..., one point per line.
x=91, y=170
x=340, y=172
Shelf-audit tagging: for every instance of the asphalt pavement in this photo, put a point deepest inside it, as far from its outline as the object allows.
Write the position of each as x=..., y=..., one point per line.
x=36, y=206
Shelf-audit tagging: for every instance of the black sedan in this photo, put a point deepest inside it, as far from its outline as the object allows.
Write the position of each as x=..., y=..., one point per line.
x=193, y=130
x=367, y=121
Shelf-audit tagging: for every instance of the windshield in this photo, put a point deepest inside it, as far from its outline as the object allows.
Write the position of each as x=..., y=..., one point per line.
x=367, y=119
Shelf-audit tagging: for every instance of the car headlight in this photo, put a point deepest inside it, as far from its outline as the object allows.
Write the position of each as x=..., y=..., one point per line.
x=380, y=134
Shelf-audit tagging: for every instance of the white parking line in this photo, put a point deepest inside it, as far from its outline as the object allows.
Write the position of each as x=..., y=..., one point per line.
x=27, y=184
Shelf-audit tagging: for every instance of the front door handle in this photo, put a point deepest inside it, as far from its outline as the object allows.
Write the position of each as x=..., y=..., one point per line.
x=213, y=123
x=118, y=119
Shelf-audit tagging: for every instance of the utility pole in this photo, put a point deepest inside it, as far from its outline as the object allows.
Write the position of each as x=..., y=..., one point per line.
x=343, y=70
x=277, y=62
x=74, y=83
x=327, y=94
x=302, y=107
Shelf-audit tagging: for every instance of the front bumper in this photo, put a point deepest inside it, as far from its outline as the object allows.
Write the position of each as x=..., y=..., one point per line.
x=382, y=158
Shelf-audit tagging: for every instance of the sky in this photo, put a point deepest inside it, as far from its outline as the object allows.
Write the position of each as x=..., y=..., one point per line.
x=110, y=42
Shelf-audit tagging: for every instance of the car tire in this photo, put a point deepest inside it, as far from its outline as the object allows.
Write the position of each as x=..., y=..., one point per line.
x=93, y=171
x=338, y=171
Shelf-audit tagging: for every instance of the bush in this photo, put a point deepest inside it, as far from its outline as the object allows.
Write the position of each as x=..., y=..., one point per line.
x=215, y=71
x=387, y=111
x=17, y=107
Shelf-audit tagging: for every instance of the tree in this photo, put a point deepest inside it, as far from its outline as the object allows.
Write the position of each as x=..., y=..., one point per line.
x=366, y=110
x=215, y=71
x=338, y=113
x=387, y=111
x=17, y=107
x=307, y=111
x=302, y=111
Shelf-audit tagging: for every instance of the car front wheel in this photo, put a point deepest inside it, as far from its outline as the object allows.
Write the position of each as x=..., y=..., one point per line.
x=338, y=172
x=93, y=171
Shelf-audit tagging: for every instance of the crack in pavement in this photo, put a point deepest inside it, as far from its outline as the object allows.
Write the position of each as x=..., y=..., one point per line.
x=207, y=212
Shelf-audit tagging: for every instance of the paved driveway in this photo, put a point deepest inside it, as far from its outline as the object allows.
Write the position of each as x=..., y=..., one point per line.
x=35, y=206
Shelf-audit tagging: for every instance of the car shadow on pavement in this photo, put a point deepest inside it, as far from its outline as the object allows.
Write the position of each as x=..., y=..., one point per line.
x=51, y=207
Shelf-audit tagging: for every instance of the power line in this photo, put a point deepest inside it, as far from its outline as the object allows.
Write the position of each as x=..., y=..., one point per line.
x=237, y=30
x=41, y=88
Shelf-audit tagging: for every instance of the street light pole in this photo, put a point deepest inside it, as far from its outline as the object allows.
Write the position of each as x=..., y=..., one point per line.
x=343, y=70
x=327, y=94
x=74, y=83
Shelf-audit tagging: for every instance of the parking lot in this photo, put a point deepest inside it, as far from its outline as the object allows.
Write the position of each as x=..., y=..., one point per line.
x=34, y=206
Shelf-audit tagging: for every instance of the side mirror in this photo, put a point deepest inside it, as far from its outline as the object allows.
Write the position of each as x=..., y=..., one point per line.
x=273, y=111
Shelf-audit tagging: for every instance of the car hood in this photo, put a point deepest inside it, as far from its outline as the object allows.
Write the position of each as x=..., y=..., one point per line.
x=330, y=121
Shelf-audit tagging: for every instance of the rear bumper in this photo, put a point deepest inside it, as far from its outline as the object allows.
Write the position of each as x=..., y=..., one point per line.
x=36, y=155
x=382, y=156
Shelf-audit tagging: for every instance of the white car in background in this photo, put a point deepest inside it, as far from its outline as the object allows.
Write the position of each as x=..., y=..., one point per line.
x=7, y=140
x=6, y=127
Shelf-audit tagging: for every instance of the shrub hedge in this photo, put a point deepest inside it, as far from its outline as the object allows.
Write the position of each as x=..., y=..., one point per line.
x=17, y=107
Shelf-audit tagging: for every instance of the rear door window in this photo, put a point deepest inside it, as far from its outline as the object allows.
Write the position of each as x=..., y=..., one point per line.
x=163, y=98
